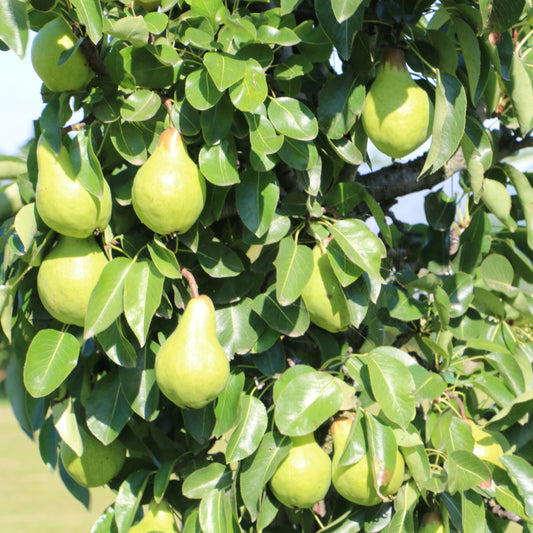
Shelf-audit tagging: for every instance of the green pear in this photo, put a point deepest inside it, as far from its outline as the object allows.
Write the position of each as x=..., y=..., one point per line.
x=431, y=523
x=323, y=295
x=398, y=114
x=168, y=192
x=191, y=367
x=355, y=482
x=159, y=518
x=67, y=277
x=10, y=200
x=62, y=202
x=304, y=476
x=98, y=463
x=53, y=39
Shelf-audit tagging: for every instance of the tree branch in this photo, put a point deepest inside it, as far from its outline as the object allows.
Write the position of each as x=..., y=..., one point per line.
x=389, y=183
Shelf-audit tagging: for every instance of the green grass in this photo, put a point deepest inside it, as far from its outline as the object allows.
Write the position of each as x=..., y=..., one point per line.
x=33, y=499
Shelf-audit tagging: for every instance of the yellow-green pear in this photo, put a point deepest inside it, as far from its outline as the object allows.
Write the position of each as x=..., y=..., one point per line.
x=61, y=200
x=168, y=192
x=191, y=367
x=304, y=476
x=159, y=518
x=398, y=114
x=53, y=39
x=10, y=200
x=98, y=463
x=355, y=482
x=431, y=523
x=323, y=295
x=67, y=277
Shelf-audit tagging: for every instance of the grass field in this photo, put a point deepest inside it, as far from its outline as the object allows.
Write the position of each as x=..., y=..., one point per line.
x=33, y=499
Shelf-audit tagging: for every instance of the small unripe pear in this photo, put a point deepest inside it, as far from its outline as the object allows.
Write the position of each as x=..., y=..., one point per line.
x=355, y=482
x=323, y=295
x=98, y=463
x=431, y=523
x=168, y=192
x=158, y=518
x=304, y=476
x=67, y=276
x=397, y=114
x=61, y=200
x=191, y=367
x=53, y=39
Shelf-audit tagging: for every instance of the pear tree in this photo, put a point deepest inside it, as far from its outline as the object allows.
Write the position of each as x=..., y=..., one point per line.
x=210, y=302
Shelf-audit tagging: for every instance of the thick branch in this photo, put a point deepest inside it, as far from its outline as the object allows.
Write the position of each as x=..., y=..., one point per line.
x=388, y=183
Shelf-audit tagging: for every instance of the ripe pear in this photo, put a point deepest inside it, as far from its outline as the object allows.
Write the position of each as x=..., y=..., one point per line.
x=304, y=476
x=355, y=482
x=323, y=295
x=98, y=463
x=431, y=523
x=53, y=39
x=62, y=202
x=10, y=200
x=158, y=518
x=67, y=277
x=168, y=192
x=191, y=367
x=398, y=114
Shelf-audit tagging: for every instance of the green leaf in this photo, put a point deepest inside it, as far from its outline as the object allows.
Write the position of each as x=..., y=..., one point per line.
x=256, y=198
x=520, y=87
x=143, y=288
x=521, y=472
x=291, y=320
x=359, y=244
x=107, y=410
x=497, y=272
x=283, y=36
x=237, y=327
x=400, y=305
x=164, y=259
x=216, y=121
x=306, y=402
x=393, y=387
x=200, y=90
x=106, y=301
x=67, y=425
x=52, y=356
x=116, y=346
x=216, y=513
x=504, y=13
x=202, y=480
x=251, y=91
x=140, y=105
x=448, y=122
x=224, y=69
x=301, y=155
x=14, y=25
x=129, y=497
x=460, y=290
x=294, y=265
x=524, y=191
x=292, y=118
x=259, y=468
x=440, y=210
x=128, y=142
x=253, y=421
x=131, y=29
x=344, y=9
x=48, y=443
x=341, y=101
x=470, y=52
x=227, y=404
x=466, y=471
x=86, y=165
x=90, y=15
x=263, y=136
x=218, y=260
x=218, y=163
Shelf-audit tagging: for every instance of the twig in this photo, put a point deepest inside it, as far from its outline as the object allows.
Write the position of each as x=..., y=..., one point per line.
x=192, y=282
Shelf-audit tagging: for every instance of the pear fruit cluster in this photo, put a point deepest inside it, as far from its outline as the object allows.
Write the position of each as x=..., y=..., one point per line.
x=304, y=476
x=355, y=482
x=168, y=192
x=59, y=75
x=61, y=200
x=67, y=277
x=323, y=295
x=191, y=367
x=397, y=114
x=97, y=465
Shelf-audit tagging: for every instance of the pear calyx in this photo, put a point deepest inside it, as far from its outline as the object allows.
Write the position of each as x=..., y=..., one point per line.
x=191, y=368
x=168, y=192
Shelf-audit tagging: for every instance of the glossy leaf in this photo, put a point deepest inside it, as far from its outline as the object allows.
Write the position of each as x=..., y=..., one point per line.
x=292, y=118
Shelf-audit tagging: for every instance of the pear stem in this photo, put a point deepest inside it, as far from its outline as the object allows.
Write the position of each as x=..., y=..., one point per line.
x=167, y=102
x=192, y=282
x=459, y=403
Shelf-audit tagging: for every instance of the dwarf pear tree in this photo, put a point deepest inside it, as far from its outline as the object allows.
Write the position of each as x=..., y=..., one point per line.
x=329, y=308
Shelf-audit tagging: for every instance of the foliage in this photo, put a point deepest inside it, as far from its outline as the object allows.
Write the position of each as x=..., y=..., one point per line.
x=440, y=313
